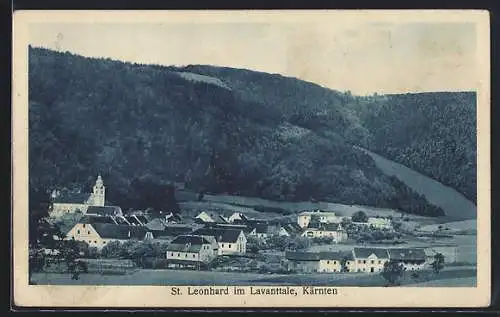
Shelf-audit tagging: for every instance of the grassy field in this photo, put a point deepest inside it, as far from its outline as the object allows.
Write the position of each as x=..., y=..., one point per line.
x=295, y=207
x=449, y=276
x=454, y=204
x=451, y=226
x=466, y=244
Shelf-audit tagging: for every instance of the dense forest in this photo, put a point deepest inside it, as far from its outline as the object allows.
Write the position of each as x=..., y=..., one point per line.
x=256, y=135
x=432, y=133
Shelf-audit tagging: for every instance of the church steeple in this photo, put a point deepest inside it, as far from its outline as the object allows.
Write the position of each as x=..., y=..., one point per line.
x=99, y=192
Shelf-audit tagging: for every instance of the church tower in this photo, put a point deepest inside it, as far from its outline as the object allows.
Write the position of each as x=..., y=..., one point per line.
x=99, y=192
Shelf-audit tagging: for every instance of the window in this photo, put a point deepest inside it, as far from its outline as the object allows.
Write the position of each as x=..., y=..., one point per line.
x=364, y=261
x=327, y=262
x=95, y=242
x=185, y=255
x=348, y=262
x=178, y=254
x=334, y=262
x=78, y=231
x=373, y=261
x=171, y=253
x=88, y=232
x=104, y=242
x=379, y=262
x=223, y=245
x=193, y=256
x=359, y=261
x=229, y=246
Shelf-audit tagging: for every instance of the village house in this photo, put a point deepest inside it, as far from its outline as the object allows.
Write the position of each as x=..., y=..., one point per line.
x=323, y=262
x=78, y=202
x=304, y=217
x=209, y=216
x=170, y=232
x=411, y=259
x=113, y=211
x=380, y=223
x=191, y=251
x=370, y=259
x=306, y=262
x=290, y=230
x=99, y=231
x=330, y=230
x=230, y=241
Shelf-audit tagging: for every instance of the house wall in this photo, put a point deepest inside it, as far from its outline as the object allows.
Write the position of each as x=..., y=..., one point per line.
x=59, y=209
x=179, y=255
x=239, y=247
x=304, y=266
x=370, y=264
x=87, y=233
x=380, y=223
x=324, y=217
x=338, y=236
x=205, y=217
x=330, y=265
x=303, y=220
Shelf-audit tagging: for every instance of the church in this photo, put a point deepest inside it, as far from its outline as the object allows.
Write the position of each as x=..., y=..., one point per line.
x=79, y=202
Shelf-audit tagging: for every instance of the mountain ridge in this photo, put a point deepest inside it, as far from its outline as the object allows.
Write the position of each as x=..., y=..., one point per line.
x=145, y=122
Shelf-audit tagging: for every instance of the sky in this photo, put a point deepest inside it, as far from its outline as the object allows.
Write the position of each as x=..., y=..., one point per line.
x=365, y=58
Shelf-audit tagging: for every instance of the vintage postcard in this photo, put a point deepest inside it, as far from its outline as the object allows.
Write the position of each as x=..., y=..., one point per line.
x=251, y=159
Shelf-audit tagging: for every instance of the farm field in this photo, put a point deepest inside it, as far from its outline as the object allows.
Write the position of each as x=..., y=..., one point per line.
x=186, y=277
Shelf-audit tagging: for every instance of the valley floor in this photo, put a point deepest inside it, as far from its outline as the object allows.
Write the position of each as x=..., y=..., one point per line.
x=459, y=276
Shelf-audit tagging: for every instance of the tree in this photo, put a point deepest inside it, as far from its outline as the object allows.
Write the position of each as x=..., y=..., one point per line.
x=438, y=263
x=392, y=272
x=113, y=249
x=343, y=264
x=46, y=241
x=359, y=216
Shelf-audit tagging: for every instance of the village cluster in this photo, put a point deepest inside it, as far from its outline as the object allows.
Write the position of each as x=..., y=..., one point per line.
x=208, y=235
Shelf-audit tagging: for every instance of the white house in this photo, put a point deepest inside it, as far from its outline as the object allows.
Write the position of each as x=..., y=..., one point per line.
x=323, y=262
x=413, y=259
x=210, y=216
x=380, y=223
x=78, y=202
x=230, y=241
x=370, y=259
x=331, y=230
x=305, y=217
x=191, y=250
x=98, y=234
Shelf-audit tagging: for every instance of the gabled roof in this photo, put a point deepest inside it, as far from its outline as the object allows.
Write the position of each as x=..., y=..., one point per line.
x=366, y=252
x=330, y=227
x=329, y=255
x=122, y=232
x=187, y=243
x=220, y=235
x=104, y=210
x=292, y=228
x=407, y=254
x=316, y=256
x=90, y=219
x=302, y=256
x=72, y=198
x=171, y=231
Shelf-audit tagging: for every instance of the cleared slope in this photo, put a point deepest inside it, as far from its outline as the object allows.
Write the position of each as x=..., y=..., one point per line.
x=454, y=204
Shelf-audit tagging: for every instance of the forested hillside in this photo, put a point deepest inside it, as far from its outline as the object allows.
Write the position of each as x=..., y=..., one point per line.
x=433, y=133
x=250, y=134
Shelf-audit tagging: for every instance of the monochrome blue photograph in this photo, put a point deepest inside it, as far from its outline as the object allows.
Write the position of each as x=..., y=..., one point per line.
x=253, y=154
